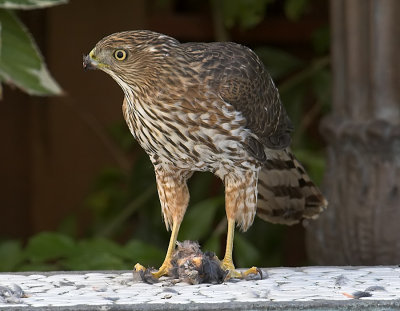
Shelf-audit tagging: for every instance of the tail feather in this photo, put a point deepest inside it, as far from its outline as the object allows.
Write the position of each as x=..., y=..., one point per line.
x=286, y=193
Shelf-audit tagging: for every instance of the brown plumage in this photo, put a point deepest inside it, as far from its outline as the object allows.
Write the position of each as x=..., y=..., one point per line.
x=209, y=107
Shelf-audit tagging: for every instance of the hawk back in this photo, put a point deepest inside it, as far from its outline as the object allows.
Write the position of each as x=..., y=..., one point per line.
x=237, y=75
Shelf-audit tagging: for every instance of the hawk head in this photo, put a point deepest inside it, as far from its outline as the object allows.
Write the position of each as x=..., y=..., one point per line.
x=132, y=58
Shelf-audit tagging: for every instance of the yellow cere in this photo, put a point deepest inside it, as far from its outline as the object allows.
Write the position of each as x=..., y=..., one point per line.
x=91, y=54
x=95, y=62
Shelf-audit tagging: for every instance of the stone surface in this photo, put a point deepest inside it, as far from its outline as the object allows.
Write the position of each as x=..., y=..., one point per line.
x=312, y=288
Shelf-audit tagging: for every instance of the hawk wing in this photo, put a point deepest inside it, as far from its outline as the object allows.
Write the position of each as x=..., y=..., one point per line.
x=238, y=76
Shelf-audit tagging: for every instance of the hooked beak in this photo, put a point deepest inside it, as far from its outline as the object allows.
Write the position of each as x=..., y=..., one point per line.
x=89, y=62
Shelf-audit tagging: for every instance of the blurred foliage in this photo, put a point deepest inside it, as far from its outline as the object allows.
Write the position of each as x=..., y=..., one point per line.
x=29, y=4
x=57, y=251
x=294, y=9
x=249, y=13
x=21, y=63
x=244, y=13
x=124, y=206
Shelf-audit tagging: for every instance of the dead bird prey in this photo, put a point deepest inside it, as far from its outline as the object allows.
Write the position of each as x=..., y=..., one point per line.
x=208, y=107
x=189, y=264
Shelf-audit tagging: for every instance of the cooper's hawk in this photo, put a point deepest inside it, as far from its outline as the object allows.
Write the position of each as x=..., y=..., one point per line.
x=209, y=107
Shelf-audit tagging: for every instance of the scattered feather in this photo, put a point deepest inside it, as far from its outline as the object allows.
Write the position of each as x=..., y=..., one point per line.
x=375, y=288
x=358, y=294
x=341, y=280
x=11, y=294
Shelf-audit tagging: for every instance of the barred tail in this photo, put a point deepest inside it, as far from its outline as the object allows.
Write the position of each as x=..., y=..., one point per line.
x=286, y=194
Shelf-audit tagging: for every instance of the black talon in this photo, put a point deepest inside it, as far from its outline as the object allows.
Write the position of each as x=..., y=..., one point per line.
x=147, y=277
x=260, y=273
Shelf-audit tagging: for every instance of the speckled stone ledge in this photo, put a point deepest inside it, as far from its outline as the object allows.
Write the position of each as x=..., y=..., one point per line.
x=307, y=288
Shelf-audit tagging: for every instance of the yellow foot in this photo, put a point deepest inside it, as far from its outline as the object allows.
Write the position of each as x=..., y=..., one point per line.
x=138, y=267
x=227, y=265
x=149, y=276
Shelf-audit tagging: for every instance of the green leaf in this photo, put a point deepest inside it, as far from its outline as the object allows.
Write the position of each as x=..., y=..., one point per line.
x=29, y=4
x=213, y=244
x=69, y=226
x=294, y=9
x=200, y=185
x=122, y=136
x=49, y=246
x=101, y=245
x=95, y=254
x=199, y=218
x=313, y=162
x=39, y=267
x=321, y=40
x=246, y=254
x=146, y=254
x=322, y=87
x=11, y=255
x=278, y=62
x=20, y=61
x=246, y=13
x=99, y=261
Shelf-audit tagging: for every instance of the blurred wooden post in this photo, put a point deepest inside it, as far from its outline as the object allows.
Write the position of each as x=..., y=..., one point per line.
x=361, y=225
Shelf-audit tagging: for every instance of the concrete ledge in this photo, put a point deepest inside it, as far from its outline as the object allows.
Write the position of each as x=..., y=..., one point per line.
x=307, y=288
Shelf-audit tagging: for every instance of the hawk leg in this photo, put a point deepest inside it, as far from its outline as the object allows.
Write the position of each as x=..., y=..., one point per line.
x=240, y=206
x=227, y=262
x=174, y=198
x=166, y=266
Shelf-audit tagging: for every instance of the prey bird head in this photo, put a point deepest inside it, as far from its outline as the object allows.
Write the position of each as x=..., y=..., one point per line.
x=131, y=57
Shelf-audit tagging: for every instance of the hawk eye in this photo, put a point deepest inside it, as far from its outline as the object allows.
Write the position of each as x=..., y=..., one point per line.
x=119, y=54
